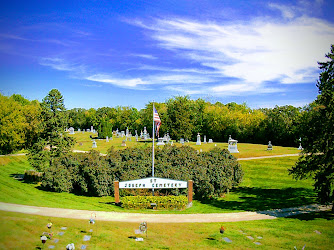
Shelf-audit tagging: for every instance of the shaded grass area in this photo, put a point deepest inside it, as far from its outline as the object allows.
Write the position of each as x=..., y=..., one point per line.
x=84, y=143
x=266, y=185
x=21, y=231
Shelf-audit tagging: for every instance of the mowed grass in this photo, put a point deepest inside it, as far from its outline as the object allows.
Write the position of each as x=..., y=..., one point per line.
x=315, y=231
x=266, y=185
x=85, y=143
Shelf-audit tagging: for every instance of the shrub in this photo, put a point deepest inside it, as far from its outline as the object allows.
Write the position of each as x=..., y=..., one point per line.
x=162, y=202
x=32, y=176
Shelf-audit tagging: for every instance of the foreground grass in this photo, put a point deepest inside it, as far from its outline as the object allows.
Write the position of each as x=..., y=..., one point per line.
x=21, y=231
x=84, y=143
x=266, y=185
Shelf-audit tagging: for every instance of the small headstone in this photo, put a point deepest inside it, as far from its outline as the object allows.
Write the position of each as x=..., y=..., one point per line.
x=139, y=239
x=91, y=128
x=79, y=130
x=55, y=240
x=61, y=233
x=257, y=243
x=201, y=150
x=71, y=130
x=250, y=237
x=259, y=237
x=210, y=141
x=83, y=247
x=160, y=142
x=63, y=228
x=123, y=144
x=107, y=139
x=51, y=246
x=227, y=240
x=317, y=232
x=182, y=141
x=87, y=238
x=91, y=230
x=94, y=144
x=198, y=142
x=270, y=146
x=204, y=140
x=80, y=143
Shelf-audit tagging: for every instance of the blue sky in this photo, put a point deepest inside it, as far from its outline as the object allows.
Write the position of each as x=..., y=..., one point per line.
x=128, y=53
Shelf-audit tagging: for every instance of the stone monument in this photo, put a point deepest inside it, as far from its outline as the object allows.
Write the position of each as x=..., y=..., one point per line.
x=270, y=146
x=198, y=139
x=182, y=141
x=232, y=145
x=160, y=142
x=107, y=139
x=71, y=130
x=123, y=144
x=94, y=144
x=204, y=140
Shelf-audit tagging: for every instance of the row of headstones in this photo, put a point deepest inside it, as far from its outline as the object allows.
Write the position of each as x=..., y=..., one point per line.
x=71, y=130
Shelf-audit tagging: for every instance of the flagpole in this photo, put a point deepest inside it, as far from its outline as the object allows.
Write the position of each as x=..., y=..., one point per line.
x=153, y=147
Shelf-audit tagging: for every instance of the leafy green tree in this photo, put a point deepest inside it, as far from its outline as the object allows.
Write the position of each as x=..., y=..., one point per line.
x=180, y=122
x=317, y=159
x=52, y=137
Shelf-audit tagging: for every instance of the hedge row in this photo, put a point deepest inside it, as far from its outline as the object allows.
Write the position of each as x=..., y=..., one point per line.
x=214, y=172
x=162, y=202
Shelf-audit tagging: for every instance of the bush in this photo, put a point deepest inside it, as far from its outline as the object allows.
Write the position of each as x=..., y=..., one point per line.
x=162, y=202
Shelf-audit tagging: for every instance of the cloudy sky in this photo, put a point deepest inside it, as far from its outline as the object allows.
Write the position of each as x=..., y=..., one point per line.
x=128, y=53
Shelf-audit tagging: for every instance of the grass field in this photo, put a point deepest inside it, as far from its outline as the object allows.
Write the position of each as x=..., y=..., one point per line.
x=84, y=143
x=266, y=185
x=21, y=231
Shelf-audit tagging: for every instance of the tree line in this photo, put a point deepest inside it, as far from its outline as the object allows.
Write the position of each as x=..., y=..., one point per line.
x=181, y=117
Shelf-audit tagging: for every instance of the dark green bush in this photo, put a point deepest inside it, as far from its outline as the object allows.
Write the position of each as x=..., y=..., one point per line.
x=32, y=176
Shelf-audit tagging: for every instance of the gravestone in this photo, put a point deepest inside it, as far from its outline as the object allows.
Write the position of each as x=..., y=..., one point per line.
x=79, y=130
x=71, y=130
x=300, y=144
x=145, y=134
x=198, y=142
x=160, y=142
x=232, y=145
x=210, y=141
x=123, y=143
x=94, y=144
x=91, y=128
x=270, y=146
x=107, y=139
x=204, y=140
x=182, y=141
x=122, y=134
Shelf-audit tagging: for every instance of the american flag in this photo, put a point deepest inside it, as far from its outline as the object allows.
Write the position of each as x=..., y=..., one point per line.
x=156, y=120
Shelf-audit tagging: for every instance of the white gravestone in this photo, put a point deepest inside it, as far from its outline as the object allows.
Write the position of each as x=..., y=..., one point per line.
x=198, y=139
x=107, y=139
x=210, y=141
x=232, y=145
x=160, y=142
x=204, y=140
x=270, y=146
x=182, y=141
x=94, y=144
x=71, y=131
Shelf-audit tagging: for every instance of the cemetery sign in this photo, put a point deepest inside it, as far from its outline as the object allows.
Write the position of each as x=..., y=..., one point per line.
x=153, y=182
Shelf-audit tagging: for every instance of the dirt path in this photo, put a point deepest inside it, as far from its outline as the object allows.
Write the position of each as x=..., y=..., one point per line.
x=160, y=218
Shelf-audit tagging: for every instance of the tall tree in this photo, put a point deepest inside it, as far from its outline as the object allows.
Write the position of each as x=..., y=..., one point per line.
x=318, y=154
x=52, y=137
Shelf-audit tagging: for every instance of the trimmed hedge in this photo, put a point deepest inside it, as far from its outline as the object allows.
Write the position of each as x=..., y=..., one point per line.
x=163, y=202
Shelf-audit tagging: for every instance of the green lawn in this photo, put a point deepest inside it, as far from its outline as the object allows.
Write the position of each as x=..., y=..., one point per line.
x=84, y=143
x=22, y=231
x=266, y=185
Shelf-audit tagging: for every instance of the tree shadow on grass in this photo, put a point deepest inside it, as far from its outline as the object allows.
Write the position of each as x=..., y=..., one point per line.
x=259, y=199
x=328, y=215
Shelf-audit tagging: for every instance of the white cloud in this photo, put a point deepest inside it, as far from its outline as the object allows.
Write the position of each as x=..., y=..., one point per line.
x=253, y=52
x=145, y=56
x=125, y=83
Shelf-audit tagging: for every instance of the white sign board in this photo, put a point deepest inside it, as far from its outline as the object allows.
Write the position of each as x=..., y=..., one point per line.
x=153, y=182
